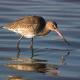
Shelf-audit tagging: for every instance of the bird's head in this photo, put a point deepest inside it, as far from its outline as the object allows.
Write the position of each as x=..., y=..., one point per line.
x=52, y=26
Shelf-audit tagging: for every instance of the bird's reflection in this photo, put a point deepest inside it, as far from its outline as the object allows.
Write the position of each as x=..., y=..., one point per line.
x=15, y=78
x=34, y=65
x=29, y=65
x=63, y=58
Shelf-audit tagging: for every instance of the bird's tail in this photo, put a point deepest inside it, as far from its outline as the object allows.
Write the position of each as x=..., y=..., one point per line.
x=1, y=27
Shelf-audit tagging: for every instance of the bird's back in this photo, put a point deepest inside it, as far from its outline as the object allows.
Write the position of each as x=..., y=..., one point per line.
x=30, y=23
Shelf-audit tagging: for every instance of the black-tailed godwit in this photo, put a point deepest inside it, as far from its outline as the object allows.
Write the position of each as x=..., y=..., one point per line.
x=31, y=26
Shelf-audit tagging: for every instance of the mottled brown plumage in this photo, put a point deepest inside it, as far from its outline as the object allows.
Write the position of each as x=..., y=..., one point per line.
x=27, y=24
x=31, y=26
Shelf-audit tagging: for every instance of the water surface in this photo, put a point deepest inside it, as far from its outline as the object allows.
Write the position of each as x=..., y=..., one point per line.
x=49, y=50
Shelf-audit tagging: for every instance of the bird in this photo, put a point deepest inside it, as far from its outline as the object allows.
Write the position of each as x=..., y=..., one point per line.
x=32, y=26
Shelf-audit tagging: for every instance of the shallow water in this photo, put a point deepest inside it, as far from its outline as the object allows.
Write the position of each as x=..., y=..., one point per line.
x=51, y=59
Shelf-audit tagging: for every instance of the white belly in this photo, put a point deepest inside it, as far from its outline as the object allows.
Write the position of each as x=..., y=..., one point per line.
x=24, y=32
x=29, y=35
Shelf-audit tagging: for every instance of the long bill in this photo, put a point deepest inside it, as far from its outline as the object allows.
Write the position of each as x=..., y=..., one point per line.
x=61, y=35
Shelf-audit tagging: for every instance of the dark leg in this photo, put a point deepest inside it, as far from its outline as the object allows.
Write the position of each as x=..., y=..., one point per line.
x=18, y=49
x=32, y=48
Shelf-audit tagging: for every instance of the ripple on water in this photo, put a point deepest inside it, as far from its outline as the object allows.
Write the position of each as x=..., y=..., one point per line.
x=49, y=50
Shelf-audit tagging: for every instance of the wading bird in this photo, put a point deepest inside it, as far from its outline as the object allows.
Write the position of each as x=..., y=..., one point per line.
x=31, y=26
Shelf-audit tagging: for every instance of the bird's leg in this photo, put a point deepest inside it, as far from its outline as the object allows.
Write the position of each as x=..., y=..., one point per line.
x=18, y=49
x=32, y=48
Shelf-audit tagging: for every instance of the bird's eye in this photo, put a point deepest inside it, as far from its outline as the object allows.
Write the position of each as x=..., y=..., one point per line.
x=55, y=27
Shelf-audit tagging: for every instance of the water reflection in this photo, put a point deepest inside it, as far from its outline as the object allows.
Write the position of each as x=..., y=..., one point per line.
x=63, y=58
x=28, y=65
x=34, y=65
x=15, y=78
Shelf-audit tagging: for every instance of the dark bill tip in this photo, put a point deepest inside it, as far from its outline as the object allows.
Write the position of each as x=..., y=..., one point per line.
x=61, y=35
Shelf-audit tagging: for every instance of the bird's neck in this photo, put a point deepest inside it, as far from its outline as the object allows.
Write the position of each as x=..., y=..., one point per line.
x=45, y=31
